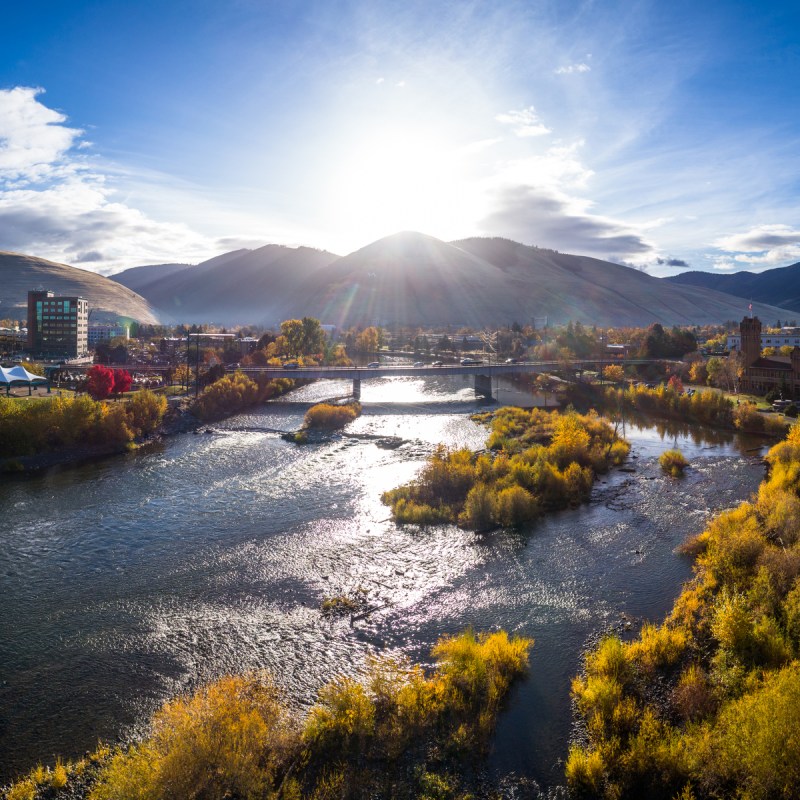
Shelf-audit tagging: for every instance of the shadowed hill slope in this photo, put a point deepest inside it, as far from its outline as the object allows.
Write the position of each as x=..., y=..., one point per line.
x=779, y=287
x=108, y=300
x=136, y=278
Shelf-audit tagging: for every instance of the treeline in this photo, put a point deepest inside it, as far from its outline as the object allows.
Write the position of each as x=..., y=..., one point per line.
x=708, y=407
x=540, y=461
x=398, y=732
x=236, y=392
x=706, y=704
x=35, y=426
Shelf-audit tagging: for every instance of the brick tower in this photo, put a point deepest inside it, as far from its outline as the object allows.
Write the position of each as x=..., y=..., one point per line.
x=750, y=329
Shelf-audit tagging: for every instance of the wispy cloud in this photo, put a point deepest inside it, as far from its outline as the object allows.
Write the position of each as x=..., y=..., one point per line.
x=524, y=122
x=572, y=69
x=763, y=245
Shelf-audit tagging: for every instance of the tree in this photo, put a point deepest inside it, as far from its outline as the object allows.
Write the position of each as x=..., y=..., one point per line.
x=99, y=382
x=122, y=381
x=614, y=373
x=303, y=336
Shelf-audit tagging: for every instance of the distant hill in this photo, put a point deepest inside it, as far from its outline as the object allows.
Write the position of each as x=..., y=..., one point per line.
x=137, y=278
x=263, y=285
x=779, y=287
x=108, y=300
x=417, y=280
x=413, y=279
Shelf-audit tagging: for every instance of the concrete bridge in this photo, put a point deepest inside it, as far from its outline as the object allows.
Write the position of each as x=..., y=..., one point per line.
x=483, y=372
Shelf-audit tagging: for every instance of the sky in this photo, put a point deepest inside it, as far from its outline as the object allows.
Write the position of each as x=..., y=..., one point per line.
x=663, y=135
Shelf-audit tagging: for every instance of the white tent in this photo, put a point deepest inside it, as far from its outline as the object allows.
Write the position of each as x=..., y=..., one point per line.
x=18, y=374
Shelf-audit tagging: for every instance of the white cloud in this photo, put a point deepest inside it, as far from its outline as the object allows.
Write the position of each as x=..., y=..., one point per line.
x=763, y=245
x=57, y=205
x=549, y=218
x=32, y=137
x=572, y=69
x=524, y=122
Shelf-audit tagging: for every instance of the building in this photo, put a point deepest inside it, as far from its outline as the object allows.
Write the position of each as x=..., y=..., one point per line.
x=57, y=326
x=787, y=336
x=759, y=375
x=105, y=333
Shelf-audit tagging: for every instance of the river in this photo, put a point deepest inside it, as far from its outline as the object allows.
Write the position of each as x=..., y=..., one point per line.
x=127, y=581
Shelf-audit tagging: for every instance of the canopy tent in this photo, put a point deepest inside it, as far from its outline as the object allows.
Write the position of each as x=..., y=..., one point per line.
x=18, y=374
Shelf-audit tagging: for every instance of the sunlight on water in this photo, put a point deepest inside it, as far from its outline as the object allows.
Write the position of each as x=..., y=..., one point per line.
x=127, y=581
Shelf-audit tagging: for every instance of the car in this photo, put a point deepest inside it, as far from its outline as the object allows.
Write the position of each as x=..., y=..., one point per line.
x=373, y=364
x=291, y=365
x=470, y=362
x=437, y=364
x=512, y=361
x=419, y=363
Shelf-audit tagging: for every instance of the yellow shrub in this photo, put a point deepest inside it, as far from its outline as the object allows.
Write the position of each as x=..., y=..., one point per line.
x=330, y=417
x=658, y=647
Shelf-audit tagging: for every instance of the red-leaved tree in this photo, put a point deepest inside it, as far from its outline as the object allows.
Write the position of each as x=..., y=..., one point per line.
x=122, y=381
x=99, y=382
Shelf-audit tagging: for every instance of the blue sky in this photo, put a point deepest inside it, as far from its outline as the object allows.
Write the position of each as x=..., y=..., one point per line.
x=663, y=135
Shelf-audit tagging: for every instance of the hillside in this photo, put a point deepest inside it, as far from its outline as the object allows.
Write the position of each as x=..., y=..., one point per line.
x=779, y=287
x=414, y=279
x=136, y=278
x=417, y=280
x=108, y=300
x=263, y=285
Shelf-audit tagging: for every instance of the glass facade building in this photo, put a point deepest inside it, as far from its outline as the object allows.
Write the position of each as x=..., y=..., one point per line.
x=57, y=326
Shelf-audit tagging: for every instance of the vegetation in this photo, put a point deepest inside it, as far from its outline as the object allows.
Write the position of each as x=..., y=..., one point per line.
x=708, y=407
x=673, y=462
x=234, y=393
x=704, y=706
x=398, y=732
x=328, y=416
x=539, y=461
x=56, y=422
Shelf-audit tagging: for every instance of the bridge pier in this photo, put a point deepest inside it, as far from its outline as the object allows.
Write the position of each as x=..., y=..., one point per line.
x=356, y=388
x=483, y=385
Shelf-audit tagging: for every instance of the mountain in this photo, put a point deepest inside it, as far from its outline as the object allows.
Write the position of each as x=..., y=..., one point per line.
x=416, y=280
x=137, y=278
x=263, y=285
x=108, y=300
x=779, y=287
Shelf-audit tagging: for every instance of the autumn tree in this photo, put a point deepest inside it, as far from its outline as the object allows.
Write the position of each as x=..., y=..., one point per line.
x=122, y=381
x=99, y=382
x=303, y=336
x=614, y=373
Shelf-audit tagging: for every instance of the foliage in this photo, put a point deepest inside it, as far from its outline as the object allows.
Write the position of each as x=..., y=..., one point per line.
x=673, y=462
x=539, y=461
x=614, y=373
x=395, y=732
x=234, y=393
x=303, y=336
x=705, y=705
x=331, y=417
x=99, y=382
x=122, y=381
x=56, y=422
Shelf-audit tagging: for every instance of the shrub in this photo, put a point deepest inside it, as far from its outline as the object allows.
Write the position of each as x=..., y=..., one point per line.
x=331, y=417
x=673, y=462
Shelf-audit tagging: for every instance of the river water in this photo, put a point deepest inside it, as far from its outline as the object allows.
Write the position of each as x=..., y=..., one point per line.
x=127, y=581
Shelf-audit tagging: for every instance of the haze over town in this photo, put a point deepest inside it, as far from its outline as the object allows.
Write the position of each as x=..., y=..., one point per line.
x=656, y=135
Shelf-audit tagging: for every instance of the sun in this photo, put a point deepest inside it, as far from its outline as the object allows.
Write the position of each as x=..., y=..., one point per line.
x=393, y=180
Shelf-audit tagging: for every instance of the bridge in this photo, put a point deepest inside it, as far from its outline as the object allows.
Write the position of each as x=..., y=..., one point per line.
x=483, y=372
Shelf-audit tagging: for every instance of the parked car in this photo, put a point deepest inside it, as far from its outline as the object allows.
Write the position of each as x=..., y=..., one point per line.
x=373, y=364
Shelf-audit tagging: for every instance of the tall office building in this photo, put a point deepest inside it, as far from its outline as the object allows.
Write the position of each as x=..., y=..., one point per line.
x=57, y=326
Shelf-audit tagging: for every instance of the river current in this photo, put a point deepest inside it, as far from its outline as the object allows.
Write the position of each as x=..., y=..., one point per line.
x=127, y=581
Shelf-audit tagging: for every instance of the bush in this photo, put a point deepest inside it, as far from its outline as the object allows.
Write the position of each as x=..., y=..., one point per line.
x=673, y=462
x=331, y=417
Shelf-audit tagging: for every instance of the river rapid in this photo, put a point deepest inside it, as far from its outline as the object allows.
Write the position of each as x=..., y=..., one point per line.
x=127, y=581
